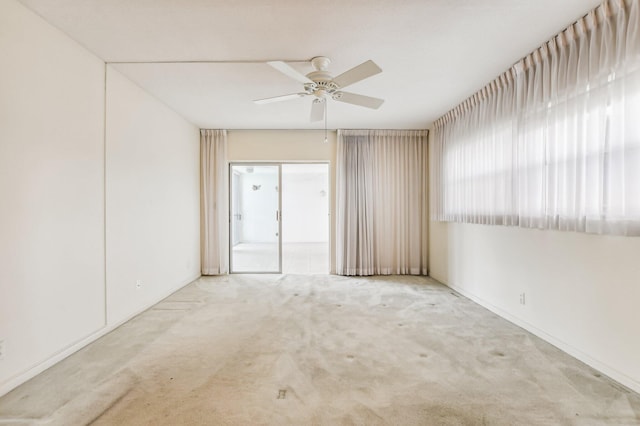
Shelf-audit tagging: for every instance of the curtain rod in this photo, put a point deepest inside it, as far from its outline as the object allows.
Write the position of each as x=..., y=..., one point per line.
x=395, y=130
x=309, y=130
x=601, y=12
x=261, y=130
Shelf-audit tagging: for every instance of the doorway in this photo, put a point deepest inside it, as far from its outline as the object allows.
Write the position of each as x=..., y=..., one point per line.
x=279, y=218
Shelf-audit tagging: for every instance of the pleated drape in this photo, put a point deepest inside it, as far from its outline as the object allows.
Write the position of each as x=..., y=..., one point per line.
x=381, y=223
x=214, y=202
x=554, y=142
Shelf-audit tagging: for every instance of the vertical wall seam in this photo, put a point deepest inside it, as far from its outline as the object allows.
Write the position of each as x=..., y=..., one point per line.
x=104, y=190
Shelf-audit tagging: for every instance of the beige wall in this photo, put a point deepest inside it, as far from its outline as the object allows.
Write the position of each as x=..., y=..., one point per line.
x=54, y=295
x=152, y=199
x=581, y=291
x=289, y=146
x=52, y=202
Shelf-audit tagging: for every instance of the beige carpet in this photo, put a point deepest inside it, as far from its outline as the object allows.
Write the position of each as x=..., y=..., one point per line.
x=325, y=350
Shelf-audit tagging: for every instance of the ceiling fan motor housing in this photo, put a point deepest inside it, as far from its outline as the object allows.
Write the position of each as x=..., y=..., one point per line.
x=323, y=83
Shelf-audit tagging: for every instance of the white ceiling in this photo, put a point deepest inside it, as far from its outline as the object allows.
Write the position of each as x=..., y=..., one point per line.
x=434, y=53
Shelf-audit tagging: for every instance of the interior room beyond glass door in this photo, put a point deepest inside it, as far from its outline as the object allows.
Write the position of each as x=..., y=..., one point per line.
x=255, y=218
x=305, y=218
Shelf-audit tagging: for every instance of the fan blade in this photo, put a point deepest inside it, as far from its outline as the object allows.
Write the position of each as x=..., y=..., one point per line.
x=361, y=100
x=287, y=70
x=356, y=74
x=279, y=98
x=317, y=110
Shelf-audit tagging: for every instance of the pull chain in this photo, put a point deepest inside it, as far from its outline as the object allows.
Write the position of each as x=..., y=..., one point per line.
x=326, y=140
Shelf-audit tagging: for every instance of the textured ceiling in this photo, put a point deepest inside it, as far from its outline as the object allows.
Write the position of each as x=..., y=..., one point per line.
x=434, y=53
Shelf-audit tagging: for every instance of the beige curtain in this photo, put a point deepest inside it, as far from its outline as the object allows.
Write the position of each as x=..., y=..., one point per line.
x=554, y=142
x=381, y=202
x=214, y=202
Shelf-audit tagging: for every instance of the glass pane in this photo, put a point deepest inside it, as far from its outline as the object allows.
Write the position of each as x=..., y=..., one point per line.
x=255, y=226
x=305, y=218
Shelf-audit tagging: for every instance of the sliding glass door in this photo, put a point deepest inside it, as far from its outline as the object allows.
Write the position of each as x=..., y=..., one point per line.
x=260, y=240
x=255, y=243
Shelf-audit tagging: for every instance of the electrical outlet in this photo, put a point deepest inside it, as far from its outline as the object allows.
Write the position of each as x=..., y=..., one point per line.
x=2, y=349
x=138, y=284
x=523, y=300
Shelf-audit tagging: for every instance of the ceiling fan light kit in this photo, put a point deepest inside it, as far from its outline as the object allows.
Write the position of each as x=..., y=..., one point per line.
x=322, y=85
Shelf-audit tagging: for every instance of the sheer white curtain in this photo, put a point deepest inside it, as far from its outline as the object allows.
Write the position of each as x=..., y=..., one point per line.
x=472, y=163
x=214, y=202
x=555, y=141
x=381, y=202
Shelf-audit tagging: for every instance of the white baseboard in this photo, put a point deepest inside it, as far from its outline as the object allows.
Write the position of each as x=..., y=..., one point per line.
x=30, y=373
x=565, y=347
x=21, y=378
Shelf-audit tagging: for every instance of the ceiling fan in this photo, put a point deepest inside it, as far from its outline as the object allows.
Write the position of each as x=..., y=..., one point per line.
x=322, y=85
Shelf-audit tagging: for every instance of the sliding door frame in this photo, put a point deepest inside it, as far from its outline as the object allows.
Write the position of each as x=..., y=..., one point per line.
x=279, y=164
